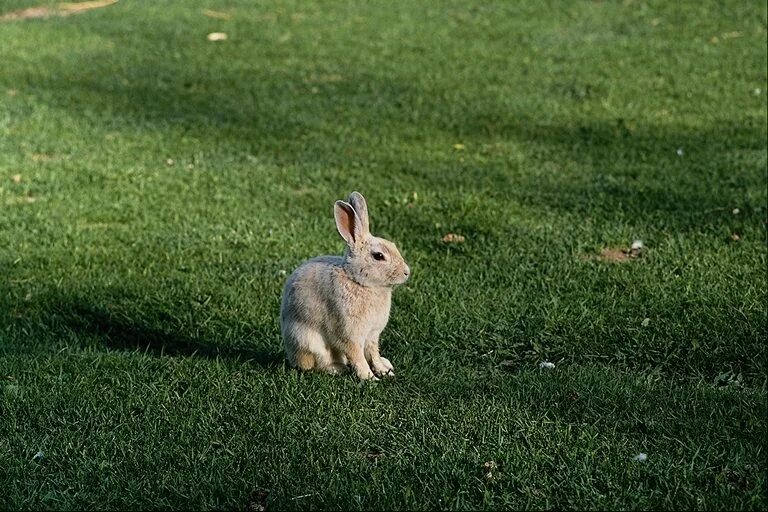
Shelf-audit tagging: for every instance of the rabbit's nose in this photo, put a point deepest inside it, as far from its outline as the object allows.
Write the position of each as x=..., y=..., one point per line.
x=407, y=271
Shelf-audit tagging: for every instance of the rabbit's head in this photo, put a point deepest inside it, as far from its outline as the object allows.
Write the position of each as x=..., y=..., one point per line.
x=369, y=260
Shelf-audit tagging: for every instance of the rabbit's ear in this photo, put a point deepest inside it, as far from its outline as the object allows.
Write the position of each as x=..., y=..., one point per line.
x=348, y=223
x=357, y=201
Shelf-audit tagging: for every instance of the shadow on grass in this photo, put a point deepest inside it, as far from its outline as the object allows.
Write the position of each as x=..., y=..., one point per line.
x=47, y=322
x=616, y=169
x=133, y=335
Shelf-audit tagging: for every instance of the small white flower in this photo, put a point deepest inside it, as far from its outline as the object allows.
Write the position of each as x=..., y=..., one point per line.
x=680, y=152
x=546, y=365
x=736, y=211
x=283, y=272
x=640, y=457
x=645, y=322
x=637, y=245
x=757, y=91
x=217, y=36
x=39, y=456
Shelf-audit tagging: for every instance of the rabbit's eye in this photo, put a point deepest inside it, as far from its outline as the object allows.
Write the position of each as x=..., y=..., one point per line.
x=378, y=256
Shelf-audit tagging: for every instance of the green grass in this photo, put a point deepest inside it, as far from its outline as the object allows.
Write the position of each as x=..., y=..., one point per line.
x=168, y=184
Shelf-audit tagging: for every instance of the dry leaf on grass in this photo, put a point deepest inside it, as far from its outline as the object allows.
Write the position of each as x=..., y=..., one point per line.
x=217, y=14
x=16, y=178
x=75, y=7
x=452, y=238
x=62, y=9
x=217, y=36
x=41, y=157
x=324, y=79
x=21, y=200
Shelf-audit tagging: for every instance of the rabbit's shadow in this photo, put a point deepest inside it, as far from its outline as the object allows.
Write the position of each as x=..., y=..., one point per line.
x=124, y=334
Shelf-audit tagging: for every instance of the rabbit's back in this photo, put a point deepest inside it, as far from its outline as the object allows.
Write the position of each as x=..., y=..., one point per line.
x=309, y=290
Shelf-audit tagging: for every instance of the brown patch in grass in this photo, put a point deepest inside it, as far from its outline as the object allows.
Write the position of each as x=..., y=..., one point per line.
x=374, y=455
x=615, y=254
x=258, y=501
x=452, y=238
x=60, y=10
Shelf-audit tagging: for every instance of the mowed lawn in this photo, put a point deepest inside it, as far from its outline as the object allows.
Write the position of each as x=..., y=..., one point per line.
x=156, y=188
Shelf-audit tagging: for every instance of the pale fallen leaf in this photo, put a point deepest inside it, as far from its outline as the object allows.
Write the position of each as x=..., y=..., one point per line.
x=169, y=162
x=217, y=36
x=12, y=92
x=453, y=238
x=459, y=146
x=26, y=14
x=21, y=200
x=217, y=14
x=735, y=237
x=324, y=79
x=646, y=322
x=74, y=7
x=546, y=365
x=62, y=9
x=16, y=178
x=640, y=457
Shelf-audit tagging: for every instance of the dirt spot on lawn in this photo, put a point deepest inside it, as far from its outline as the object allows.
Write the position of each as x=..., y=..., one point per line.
x=613, y=255
x=258, y=501
x=616, y=254
x=374, y=455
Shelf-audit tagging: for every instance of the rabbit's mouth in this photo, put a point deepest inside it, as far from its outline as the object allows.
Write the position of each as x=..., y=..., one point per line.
x=400, y=276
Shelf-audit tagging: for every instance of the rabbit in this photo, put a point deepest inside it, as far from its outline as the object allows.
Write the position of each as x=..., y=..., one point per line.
x=334, y=308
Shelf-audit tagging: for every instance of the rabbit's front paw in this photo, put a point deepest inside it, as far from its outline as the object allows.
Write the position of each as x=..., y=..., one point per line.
x=366, y=374
x=384, y=368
